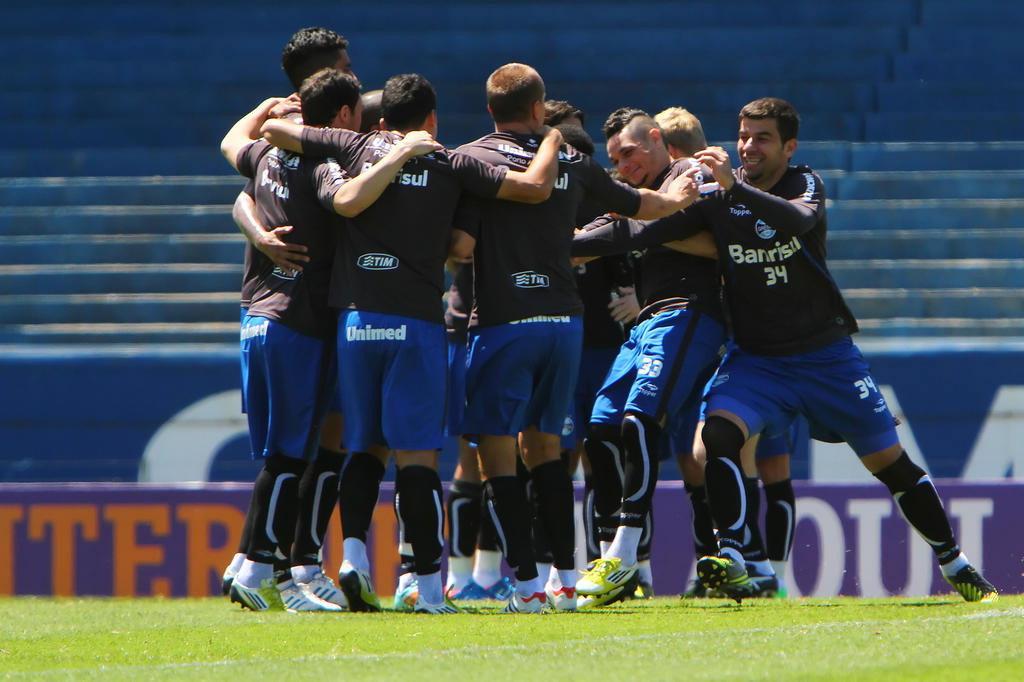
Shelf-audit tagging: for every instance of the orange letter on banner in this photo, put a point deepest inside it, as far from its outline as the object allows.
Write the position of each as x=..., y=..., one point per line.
x=201, y=558
x=128, y=555
x=63, y=519
x=384, y=536
x=10, y=514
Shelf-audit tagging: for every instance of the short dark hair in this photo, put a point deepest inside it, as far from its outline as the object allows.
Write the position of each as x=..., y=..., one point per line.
x=309, y=50
x=324, y=94
x=622, y=117
x=784, y=113
x=557, y=110
x=511, y=91
x=371, y=111
x=407, y=100
x=577, y=137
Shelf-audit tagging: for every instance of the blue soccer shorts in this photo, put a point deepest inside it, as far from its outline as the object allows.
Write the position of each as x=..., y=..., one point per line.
x=393, y=379
x=662, y=368
x=832, y=387
x=287, y=385
x=522, y=374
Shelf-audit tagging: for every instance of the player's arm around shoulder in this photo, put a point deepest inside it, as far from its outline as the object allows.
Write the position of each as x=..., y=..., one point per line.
x=357, y=194
x=534, y=185
x=246, y=130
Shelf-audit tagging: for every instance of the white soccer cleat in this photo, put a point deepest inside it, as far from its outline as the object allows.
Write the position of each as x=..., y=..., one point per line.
x=444, y=608
x=295, y=599
x=562, y=599
x=324, y=588
x=263, y=598
x=517, y=603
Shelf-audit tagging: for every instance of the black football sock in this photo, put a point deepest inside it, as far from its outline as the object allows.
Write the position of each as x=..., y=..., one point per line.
x=422, y=510
x=641, y=437
x=510, y=513
x=275, y=493
x=318, y=494
x=704, y=541
x=753, y=548
x=250, y=521
x=723, y=474
x=913, y=490
x=556, y=511
x=590, y=520
x=779, y=519
x=643, y=550
x=604, y=450
x=487, y=540
x=406, y=561
x=464, y=506
x=358, y=492
x=538, y=531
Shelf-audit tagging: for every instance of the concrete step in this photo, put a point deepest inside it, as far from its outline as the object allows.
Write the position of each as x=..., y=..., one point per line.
x=925, y=213
x=145, y=160
x=923, y=184
x=105, y=278
x=938, y=303
x=959, y=327
x=998, y=124
x=120, y=333
x=929, y=97
x=121, y=248
x=953, y=243
x=94, y=220
x=914, y=156
x=122, y=191
x=928, y=273
x=955, y=14
x=92, y=308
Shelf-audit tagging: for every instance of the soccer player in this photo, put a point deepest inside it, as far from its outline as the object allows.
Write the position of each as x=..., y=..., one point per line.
x=287, y=330
x=793, y=353
x=525, y=337
x=371, y=111
x=682, y=132
x=391, y=337
x=657, y=373
x=307, y=51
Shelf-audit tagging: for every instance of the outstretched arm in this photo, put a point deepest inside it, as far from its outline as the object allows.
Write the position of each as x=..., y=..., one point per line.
x=681, y=193
x=283, y=134
x=245, y=130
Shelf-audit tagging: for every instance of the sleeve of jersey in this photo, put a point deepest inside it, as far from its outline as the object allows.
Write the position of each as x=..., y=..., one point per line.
x=476, y=176
x=332, y=142
x=606, y=238
x=249, y=158
x=329, y=177
x=790, y=217
x=614, y=196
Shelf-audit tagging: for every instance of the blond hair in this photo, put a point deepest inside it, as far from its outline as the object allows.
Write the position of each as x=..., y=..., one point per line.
x=681, y=130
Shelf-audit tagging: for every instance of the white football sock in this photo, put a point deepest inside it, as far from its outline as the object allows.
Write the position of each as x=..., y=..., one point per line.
x=487, y=569
x=251, y=574
x=627, y=539
x=354, y=550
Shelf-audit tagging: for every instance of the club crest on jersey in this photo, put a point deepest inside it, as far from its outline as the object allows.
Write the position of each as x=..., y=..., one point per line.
x=377, y=261
x=528, y=279
x=568, y=426
x=763, y=229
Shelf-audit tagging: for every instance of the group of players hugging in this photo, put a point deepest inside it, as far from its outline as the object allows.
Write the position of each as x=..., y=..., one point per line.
x=682, y=306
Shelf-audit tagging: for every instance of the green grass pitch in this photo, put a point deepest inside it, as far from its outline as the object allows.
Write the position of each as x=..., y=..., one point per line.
x=939, y=638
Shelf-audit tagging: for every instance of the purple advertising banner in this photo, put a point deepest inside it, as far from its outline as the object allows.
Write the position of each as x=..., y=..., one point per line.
x=138, y=539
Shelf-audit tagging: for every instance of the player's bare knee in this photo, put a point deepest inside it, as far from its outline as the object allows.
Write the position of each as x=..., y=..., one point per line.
x=773, y=469
x=878, y=461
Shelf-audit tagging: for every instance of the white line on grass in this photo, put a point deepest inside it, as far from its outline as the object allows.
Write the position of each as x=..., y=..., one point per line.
x=477, y=650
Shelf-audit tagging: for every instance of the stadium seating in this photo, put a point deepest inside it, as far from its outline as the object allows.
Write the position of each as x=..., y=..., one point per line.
x=114, y=202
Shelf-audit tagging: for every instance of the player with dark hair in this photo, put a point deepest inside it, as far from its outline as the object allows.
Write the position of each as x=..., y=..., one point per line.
x=311, y=49
x=391, y=337
x=558, y=112
x=656, y=375
x=526, y=334
x=286, y=349
x=308, y=51
x=793, y=353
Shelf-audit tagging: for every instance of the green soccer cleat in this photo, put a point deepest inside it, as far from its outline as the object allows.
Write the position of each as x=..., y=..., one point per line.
x=266, y=597
x=726, y=576
x=604, y=576
x=972, y=586
x=644, y=590
x=358, y=590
